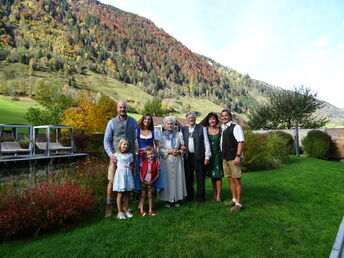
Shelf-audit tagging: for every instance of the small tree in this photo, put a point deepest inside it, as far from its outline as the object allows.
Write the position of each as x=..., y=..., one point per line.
x=108, y=106
x=285, y=106
x=55, y=101
x=153, y=107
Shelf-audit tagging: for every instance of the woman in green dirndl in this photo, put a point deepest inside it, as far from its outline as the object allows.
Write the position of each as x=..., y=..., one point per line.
x=214, y=169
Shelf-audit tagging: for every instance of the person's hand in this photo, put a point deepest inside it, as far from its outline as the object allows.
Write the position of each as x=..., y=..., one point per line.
x=175, y=152
x=206, y=162
x=183, y=148
x=113, y=158
x=237, y=161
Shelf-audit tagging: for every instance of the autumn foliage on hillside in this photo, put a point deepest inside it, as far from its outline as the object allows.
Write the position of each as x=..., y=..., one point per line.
x=73, y=37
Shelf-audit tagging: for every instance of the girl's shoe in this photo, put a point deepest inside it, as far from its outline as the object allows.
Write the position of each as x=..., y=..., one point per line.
x=120, y=215
x=128, y=214
x=143, y=213
x=152, y=213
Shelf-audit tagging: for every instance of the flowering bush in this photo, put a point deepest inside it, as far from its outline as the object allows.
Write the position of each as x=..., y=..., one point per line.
x=44, y=208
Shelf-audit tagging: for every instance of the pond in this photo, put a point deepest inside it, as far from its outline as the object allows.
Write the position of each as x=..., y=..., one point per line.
x=15, y=178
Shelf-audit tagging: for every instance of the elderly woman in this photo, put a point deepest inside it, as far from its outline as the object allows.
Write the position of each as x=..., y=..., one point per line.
x=215, y=170
x=172, y=164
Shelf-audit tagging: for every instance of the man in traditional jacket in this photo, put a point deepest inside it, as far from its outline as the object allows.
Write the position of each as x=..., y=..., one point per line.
x=122, y=126
x=197, y=156
x=232, y=146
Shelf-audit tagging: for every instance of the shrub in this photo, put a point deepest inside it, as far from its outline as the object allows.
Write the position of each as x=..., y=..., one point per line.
x=277, y=149
x=92, y=175
x=254, y=151
x=108, y=106
x=89, y=143
x=289, y=141
x=44, y=208
x=153, y=107
x=317, y=144
x=265, y=151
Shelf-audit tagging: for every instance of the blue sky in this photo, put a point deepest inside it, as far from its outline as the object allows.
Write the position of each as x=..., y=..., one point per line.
x=284, y=43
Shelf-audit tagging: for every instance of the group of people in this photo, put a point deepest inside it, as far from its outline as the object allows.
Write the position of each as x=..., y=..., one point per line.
x=167, y=162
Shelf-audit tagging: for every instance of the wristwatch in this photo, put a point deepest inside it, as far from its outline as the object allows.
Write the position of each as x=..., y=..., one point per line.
x=238, y=155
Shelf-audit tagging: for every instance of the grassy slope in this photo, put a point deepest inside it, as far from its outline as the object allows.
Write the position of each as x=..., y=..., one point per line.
x=14, y=111
x=111, y=87
x=292, y=211
x=114, y=88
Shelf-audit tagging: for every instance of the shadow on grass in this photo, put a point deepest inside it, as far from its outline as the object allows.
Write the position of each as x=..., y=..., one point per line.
x=257, y=196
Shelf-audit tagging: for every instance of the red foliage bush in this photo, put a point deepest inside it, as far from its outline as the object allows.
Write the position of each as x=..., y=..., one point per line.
x=92, y=175
x=44, y=208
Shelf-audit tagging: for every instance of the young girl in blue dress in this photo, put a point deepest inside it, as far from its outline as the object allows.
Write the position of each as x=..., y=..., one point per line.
x=123, y=181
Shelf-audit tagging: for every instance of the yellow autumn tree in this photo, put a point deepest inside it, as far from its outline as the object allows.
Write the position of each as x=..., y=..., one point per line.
x=86, y=117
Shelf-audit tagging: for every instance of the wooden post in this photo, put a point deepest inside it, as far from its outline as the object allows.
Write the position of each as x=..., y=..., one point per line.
x=297, y=147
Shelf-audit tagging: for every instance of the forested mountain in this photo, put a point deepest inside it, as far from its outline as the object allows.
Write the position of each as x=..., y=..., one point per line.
x=73, y=36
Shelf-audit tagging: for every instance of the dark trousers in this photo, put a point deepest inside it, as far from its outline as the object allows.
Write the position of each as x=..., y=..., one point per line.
x=193, y=165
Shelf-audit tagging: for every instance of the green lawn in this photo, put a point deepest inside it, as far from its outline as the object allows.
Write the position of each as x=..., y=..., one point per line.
x=293, y=211
x=14, y=111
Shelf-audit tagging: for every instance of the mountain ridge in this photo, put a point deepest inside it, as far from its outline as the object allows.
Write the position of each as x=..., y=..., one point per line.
x=73, y=36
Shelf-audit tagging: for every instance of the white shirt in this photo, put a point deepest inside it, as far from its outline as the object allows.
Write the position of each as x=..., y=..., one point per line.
x=191, y=141
x=191, y=145
x=237, y=132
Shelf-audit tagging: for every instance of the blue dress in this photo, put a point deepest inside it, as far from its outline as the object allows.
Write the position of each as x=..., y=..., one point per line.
x=123, y=179
x=143, y=143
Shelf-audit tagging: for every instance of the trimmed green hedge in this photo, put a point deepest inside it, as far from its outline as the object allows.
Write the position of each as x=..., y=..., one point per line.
x=317, y=144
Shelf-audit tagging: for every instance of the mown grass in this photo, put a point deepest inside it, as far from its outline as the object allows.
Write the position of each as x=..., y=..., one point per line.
x=293, y=211
x=13, y=111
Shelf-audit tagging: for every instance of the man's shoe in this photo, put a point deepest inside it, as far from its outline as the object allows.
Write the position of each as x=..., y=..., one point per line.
x=236, y=208
x=230, y=203
x=167, y=205
x=177, y=204
x=108, y=211
x=128, y=214
x=121, y=215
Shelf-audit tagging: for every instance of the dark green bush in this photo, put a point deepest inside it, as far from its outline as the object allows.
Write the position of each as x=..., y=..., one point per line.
x=317, y=144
